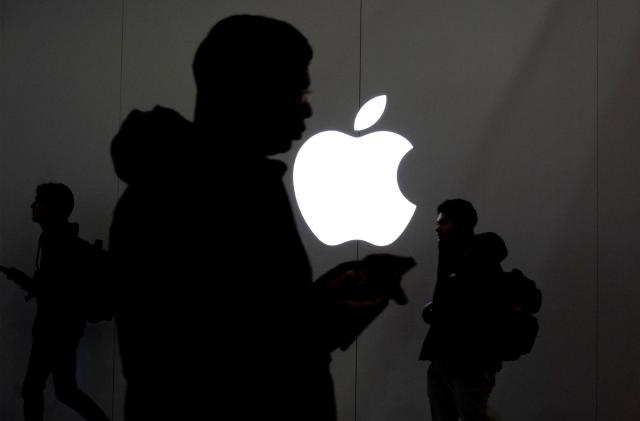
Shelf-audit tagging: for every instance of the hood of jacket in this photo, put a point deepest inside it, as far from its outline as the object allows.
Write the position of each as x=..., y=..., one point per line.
x=150, y=144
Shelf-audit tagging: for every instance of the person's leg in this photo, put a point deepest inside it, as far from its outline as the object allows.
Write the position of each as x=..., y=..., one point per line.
x=66, y=386
x=439, y=389
x=472, y=388
x=40, y=365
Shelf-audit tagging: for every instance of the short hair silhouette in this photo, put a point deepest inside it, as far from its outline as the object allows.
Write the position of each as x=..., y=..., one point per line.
x=460, y=211
x=57, y=197
x=242, y=52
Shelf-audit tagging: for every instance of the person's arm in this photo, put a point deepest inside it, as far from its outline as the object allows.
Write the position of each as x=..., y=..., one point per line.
x=354, y=293
x=21, y=279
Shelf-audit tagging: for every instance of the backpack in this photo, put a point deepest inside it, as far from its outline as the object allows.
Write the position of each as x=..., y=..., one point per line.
x=518, y=324
x=95, y=287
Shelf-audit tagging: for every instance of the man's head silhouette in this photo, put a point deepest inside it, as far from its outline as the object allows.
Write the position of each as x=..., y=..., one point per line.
x=456, y=220
x=252, y=78
x=53, y=204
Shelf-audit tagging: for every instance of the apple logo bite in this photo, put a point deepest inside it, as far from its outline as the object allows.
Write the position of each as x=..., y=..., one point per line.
x=347, y=187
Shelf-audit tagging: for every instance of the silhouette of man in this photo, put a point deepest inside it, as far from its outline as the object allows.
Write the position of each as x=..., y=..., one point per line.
x=464, y=316
x=217, y=312
x=58, y=325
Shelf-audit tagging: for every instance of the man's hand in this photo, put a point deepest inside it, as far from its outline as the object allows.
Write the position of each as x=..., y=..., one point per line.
x=15, y=275
x=370, y=282
x=357, y=292
x=384, y=273
x=349, y=289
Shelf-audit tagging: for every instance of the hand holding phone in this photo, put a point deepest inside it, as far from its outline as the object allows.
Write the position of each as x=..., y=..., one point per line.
x=383, y=273
x=372, y=280
x=358, y=291
x=15, y=275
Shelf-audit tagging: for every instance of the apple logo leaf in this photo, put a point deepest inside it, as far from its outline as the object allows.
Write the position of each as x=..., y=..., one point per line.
x=370, y=113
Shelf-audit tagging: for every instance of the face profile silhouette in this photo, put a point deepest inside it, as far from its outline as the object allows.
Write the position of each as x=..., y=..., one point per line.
x=53, y=204
x=252, y=80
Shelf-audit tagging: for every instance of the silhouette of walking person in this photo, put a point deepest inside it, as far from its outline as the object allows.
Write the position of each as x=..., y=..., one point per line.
x=58, y=325
x=217, y=313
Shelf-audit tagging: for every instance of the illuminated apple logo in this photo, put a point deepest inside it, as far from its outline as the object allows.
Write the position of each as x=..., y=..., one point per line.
x=347, y=187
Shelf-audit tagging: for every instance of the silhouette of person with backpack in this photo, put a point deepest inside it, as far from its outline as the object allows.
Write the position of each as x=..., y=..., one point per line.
x=217, y=313
x=59, y=323
x=465, y=316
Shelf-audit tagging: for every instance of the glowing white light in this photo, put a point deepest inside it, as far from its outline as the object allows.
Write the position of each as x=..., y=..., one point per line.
x=347, y=187
x=370, y=113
